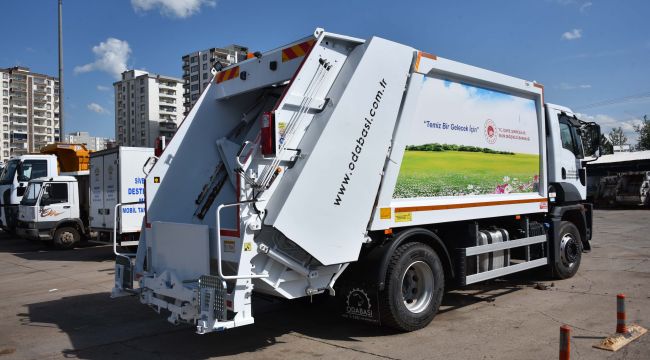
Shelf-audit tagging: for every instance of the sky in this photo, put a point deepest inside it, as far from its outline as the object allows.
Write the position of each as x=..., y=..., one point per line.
x=592, y=56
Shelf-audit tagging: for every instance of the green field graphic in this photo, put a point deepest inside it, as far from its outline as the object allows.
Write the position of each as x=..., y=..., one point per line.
x=452, y=173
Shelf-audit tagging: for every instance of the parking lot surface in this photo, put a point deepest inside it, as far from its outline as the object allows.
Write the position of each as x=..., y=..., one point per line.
x=55, y=304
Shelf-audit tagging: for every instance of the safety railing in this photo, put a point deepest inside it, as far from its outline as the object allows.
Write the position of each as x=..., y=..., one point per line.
x=219, y=266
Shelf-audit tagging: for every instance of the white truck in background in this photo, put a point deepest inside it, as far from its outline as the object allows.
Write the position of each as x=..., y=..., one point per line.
x=117, y=177
x=362, y=168
x=15, y=176
x=55, y=209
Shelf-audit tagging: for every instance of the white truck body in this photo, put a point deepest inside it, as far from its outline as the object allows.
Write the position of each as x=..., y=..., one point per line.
x=117, y=177
x=315, y=153
x=13, y=182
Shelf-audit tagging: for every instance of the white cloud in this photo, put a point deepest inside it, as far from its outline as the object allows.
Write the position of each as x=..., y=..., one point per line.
x=103, y=88
x=173, y=8
x=572, y=35
x=111, y=56
x=95, y=107
x=567, y=86
x=584, y=7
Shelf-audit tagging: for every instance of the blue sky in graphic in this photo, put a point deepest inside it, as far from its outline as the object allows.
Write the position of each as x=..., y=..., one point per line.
x=591, y=56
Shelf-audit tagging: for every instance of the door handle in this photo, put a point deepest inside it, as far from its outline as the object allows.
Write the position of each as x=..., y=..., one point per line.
x=66, y=207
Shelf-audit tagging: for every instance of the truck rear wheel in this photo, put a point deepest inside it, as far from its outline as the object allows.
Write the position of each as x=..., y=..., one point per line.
x=415, y=284
x=570, y=245
x=65, y=238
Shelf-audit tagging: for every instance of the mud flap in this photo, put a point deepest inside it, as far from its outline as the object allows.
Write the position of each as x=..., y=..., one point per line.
x=358, y=301
x=123, y=277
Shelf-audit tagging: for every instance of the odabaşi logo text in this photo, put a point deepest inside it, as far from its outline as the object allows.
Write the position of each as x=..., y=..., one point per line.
x=490, y=131
x=358, y=304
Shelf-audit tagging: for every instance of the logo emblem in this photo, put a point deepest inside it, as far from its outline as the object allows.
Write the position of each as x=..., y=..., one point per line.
x=490, y=131
x=45, y=212
x=358, y=303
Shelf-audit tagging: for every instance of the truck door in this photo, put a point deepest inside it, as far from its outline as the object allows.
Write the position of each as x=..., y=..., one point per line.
x=571, y=155
x=55, y=203
x=111, y=188
x=97, y=217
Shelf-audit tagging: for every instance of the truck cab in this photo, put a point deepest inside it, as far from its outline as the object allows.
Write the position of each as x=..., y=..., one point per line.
x=13, y=183
x=52, y=209
x=567, y=153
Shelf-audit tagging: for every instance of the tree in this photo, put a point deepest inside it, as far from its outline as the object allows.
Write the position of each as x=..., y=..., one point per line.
x=606, y=145
x=643, y=130
x=617, y=137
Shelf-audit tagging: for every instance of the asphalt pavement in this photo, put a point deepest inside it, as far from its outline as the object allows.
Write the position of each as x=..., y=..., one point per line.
x=56, y=304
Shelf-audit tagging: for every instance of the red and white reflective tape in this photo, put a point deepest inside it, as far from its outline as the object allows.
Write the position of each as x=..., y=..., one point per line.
x=621, y=328
x=565, y=342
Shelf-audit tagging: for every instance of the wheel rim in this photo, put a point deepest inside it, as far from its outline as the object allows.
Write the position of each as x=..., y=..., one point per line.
x=569, y=250
x=66, y=238
x=417, y=286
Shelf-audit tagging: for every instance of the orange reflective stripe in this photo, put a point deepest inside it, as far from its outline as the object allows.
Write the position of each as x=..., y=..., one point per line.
x=422, y=54
x=297, y=50
x=466, y=205
x=227, y=74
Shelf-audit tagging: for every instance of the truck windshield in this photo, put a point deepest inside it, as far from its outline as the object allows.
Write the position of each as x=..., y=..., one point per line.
x=32, y=169
x=8, y=173
x=31, y=195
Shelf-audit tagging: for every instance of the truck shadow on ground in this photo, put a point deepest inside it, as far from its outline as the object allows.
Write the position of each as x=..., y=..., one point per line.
x=38, y=250
x=99, y=327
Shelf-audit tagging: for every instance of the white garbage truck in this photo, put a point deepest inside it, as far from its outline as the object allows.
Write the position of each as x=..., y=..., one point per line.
x=358, y=167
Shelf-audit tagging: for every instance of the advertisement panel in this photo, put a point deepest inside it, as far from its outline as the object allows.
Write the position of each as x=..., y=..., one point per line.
x=469, y=140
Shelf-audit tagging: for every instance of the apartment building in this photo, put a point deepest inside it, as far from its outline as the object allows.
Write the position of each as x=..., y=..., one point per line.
x=146, y=106
x=94, y=143
x=197, y=69
x=30, y=111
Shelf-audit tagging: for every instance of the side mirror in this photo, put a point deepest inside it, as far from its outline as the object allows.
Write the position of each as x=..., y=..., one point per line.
x=595, y=138
x=20, y=191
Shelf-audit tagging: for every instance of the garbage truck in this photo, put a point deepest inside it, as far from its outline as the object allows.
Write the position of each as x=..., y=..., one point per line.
x=361, y=168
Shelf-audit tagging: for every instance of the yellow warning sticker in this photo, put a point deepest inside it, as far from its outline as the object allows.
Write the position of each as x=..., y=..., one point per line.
x=229, y=246
x=248, y=246
x=384, y=213
x=403, y=216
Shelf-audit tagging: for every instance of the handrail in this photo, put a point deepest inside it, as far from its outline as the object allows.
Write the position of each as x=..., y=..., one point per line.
x=230, y=277
x=118, y=205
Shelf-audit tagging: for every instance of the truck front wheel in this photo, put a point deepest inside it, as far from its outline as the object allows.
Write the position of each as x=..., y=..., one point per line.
x=65, y=238
x=570, y=245
x=414, y=287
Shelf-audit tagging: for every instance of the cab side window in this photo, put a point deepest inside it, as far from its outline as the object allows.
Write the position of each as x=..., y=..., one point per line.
x=565, y=135
x=570, y=139
x=55, y=193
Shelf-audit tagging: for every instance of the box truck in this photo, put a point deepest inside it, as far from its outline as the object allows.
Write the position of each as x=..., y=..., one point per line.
x=58, y=208
x=117, y=177
x=362, y=168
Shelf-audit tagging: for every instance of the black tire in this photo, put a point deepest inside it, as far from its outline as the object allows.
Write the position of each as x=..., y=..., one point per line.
x=65, y=238
x=570, y=244
x=411, y=267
